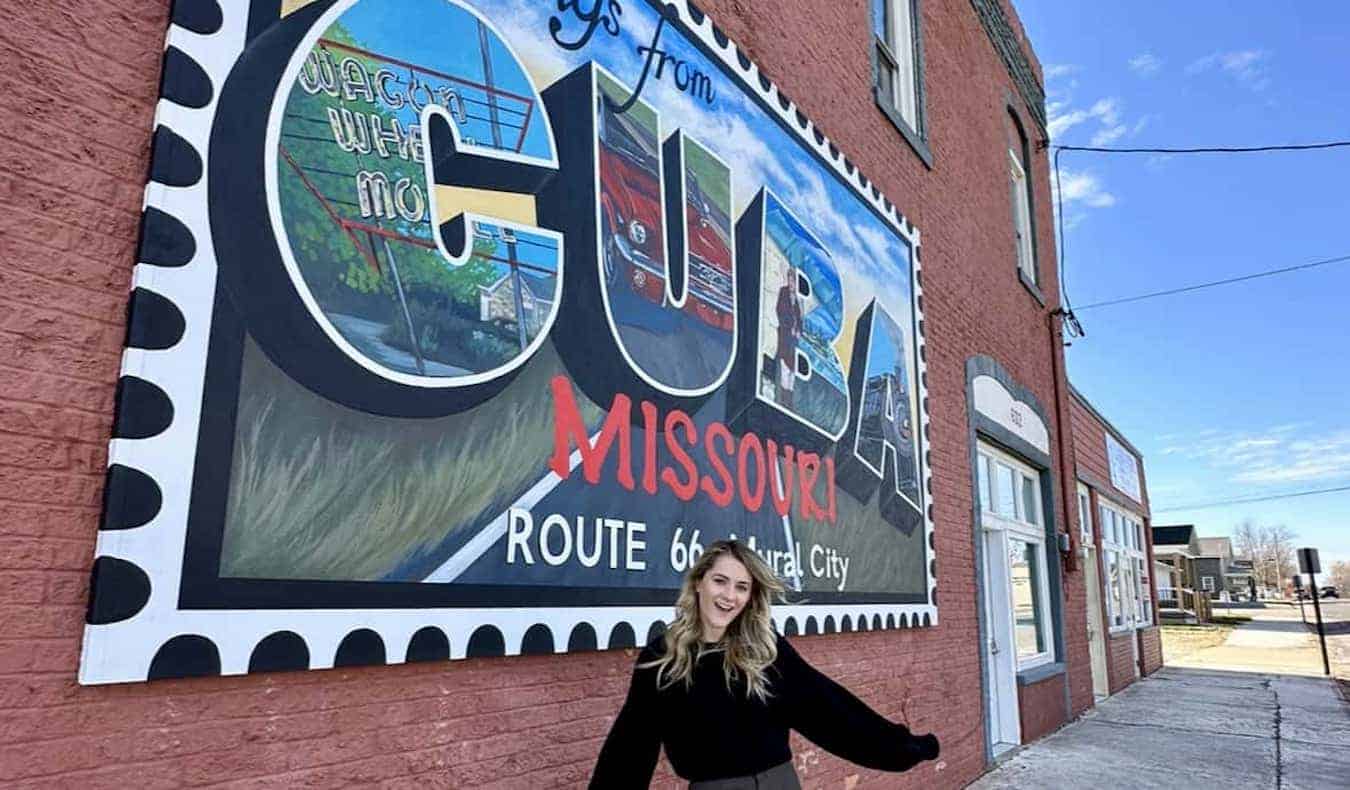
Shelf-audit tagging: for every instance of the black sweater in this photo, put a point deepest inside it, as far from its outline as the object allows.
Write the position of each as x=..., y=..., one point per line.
x=711, y=732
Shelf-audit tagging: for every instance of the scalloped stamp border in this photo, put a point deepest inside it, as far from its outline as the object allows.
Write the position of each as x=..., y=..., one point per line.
x=137, y=629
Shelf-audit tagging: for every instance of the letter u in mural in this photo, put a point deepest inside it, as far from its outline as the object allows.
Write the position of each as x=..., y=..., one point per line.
x=489, y=314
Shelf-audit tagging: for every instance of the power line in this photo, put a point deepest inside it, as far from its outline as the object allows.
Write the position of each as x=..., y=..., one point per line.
x=1249, y=149
x=1249, y=500
x=1072, y=320
x=1214, y=283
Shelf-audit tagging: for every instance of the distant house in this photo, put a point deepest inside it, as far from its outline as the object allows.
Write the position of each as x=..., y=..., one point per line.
x=1177, y=561
x=1211, y=565
x=1240, y=579
x=1221, y=575
x=498, y=301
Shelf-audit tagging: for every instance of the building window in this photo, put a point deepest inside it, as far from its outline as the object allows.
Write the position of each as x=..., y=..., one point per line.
x=1207, y=583
x=1026, y=577
x=1021, y=218
x=896, y=77
x=1019, y=184
x=1085, y=514
x=1010, y=502
x=1123, y=550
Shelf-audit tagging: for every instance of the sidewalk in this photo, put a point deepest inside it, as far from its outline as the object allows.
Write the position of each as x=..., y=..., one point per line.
x=1252, y=712
x=1269, y=643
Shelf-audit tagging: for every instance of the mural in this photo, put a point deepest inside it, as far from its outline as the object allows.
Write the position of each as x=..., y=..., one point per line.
x=474, y=320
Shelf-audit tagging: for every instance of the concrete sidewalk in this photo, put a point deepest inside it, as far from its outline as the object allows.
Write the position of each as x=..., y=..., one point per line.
x=1193, y=728
x=1252, y=712
x=1271, y=642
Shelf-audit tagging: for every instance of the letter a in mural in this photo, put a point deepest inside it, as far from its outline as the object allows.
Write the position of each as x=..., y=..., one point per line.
x=494, y=313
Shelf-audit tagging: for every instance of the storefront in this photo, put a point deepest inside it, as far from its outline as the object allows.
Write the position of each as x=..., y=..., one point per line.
x=1116, y=550
x=456, y=328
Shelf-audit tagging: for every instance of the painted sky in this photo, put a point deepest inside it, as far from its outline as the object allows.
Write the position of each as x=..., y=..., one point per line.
x=872, y=260
x=1232, y=392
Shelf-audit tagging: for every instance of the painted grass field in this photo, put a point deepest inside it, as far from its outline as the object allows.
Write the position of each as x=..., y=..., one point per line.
x=319, y=491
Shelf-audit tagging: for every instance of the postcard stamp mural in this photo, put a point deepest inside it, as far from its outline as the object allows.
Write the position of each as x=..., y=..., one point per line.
x=460, y=326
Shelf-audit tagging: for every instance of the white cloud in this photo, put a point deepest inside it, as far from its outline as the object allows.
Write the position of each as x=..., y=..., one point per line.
x=1251, y=67
x=1271, y=456
x=1106, y=113
x=1056, y=70
x=1107, y=110
x=1145, y=64
x=1083, y=187
x=1060, y=121
x=1109, y=135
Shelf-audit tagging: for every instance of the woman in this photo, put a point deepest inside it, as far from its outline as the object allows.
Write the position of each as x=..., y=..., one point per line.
x=720, y=690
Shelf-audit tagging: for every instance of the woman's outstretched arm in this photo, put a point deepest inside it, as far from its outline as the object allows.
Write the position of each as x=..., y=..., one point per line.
x=835, y=720
x=628, y=758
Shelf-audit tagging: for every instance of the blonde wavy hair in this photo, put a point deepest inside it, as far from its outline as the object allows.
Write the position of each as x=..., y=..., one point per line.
x=748, y=645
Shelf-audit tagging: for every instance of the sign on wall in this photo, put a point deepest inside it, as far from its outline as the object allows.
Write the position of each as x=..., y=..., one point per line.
x=460, y=326
x=1124, y=468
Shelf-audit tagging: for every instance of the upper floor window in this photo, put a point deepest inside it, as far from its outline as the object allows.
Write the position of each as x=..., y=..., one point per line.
x=896, y=77
x=1020, y=186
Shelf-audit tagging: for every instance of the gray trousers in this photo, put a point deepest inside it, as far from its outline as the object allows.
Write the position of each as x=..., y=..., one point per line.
x=780, y=777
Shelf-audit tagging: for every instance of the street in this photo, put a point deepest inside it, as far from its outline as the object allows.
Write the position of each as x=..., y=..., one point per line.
x=1254, y=711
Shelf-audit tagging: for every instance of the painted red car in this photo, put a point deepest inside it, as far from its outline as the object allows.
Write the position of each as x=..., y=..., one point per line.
x=710, y=280
x=632, y=228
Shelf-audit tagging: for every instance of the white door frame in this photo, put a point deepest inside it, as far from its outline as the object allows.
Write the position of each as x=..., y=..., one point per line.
x=1005, y=517
x=1096, y=628
x=1000, y=654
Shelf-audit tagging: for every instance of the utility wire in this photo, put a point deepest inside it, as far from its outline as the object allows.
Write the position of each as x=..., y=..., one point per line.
x=1076, y=328
x=1249, y=500
x=1214, y=283
x=1250, y=149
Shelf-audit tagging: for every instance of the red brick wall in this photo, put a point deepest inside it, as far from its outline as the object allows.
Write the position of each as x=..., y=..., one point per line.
x=1089, y=449
x=1120, y=661
x=1089, y=455
x=1151, y=641
x=1076, y=638
x=1041, y=707
x=75, y=150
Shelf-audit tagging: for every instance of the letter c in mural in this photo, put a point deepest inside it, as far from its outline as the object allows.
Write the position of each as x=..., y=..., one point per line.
x=444, y=149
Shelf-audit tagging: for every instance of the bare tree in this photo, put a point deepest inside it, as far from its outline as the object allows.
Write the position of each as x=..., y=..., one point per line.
x=1339, y=575
x=1280, y=547
x=1271, y=550
x=1247, y=540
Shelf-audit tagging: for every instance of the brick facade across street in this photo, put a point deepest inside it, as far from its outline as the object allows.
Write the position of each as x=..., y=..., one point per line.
x=75, y=148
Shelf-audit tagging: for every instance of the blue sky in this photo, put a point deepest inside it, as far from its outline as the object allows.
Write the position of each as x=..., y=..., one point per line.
x=868, y=255
x=1237, y=391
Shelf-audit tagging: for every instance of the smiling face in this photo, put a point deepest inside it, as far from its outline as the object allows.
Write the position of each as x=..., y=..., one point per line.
x=723, y=593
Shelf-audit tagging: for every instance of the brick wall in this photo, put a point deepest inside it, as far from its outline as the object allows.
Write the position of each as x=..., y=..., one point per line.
x=1120, y=663
x=1088, y=432
x=1041, y=707
x=1089, y=448
x=1079, y=657
x=1150, y=640
x=74, y=157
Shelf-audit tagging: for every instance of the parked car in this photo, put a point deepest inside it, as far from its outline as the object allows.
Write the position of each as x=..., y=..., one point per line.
x=1329, y=592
